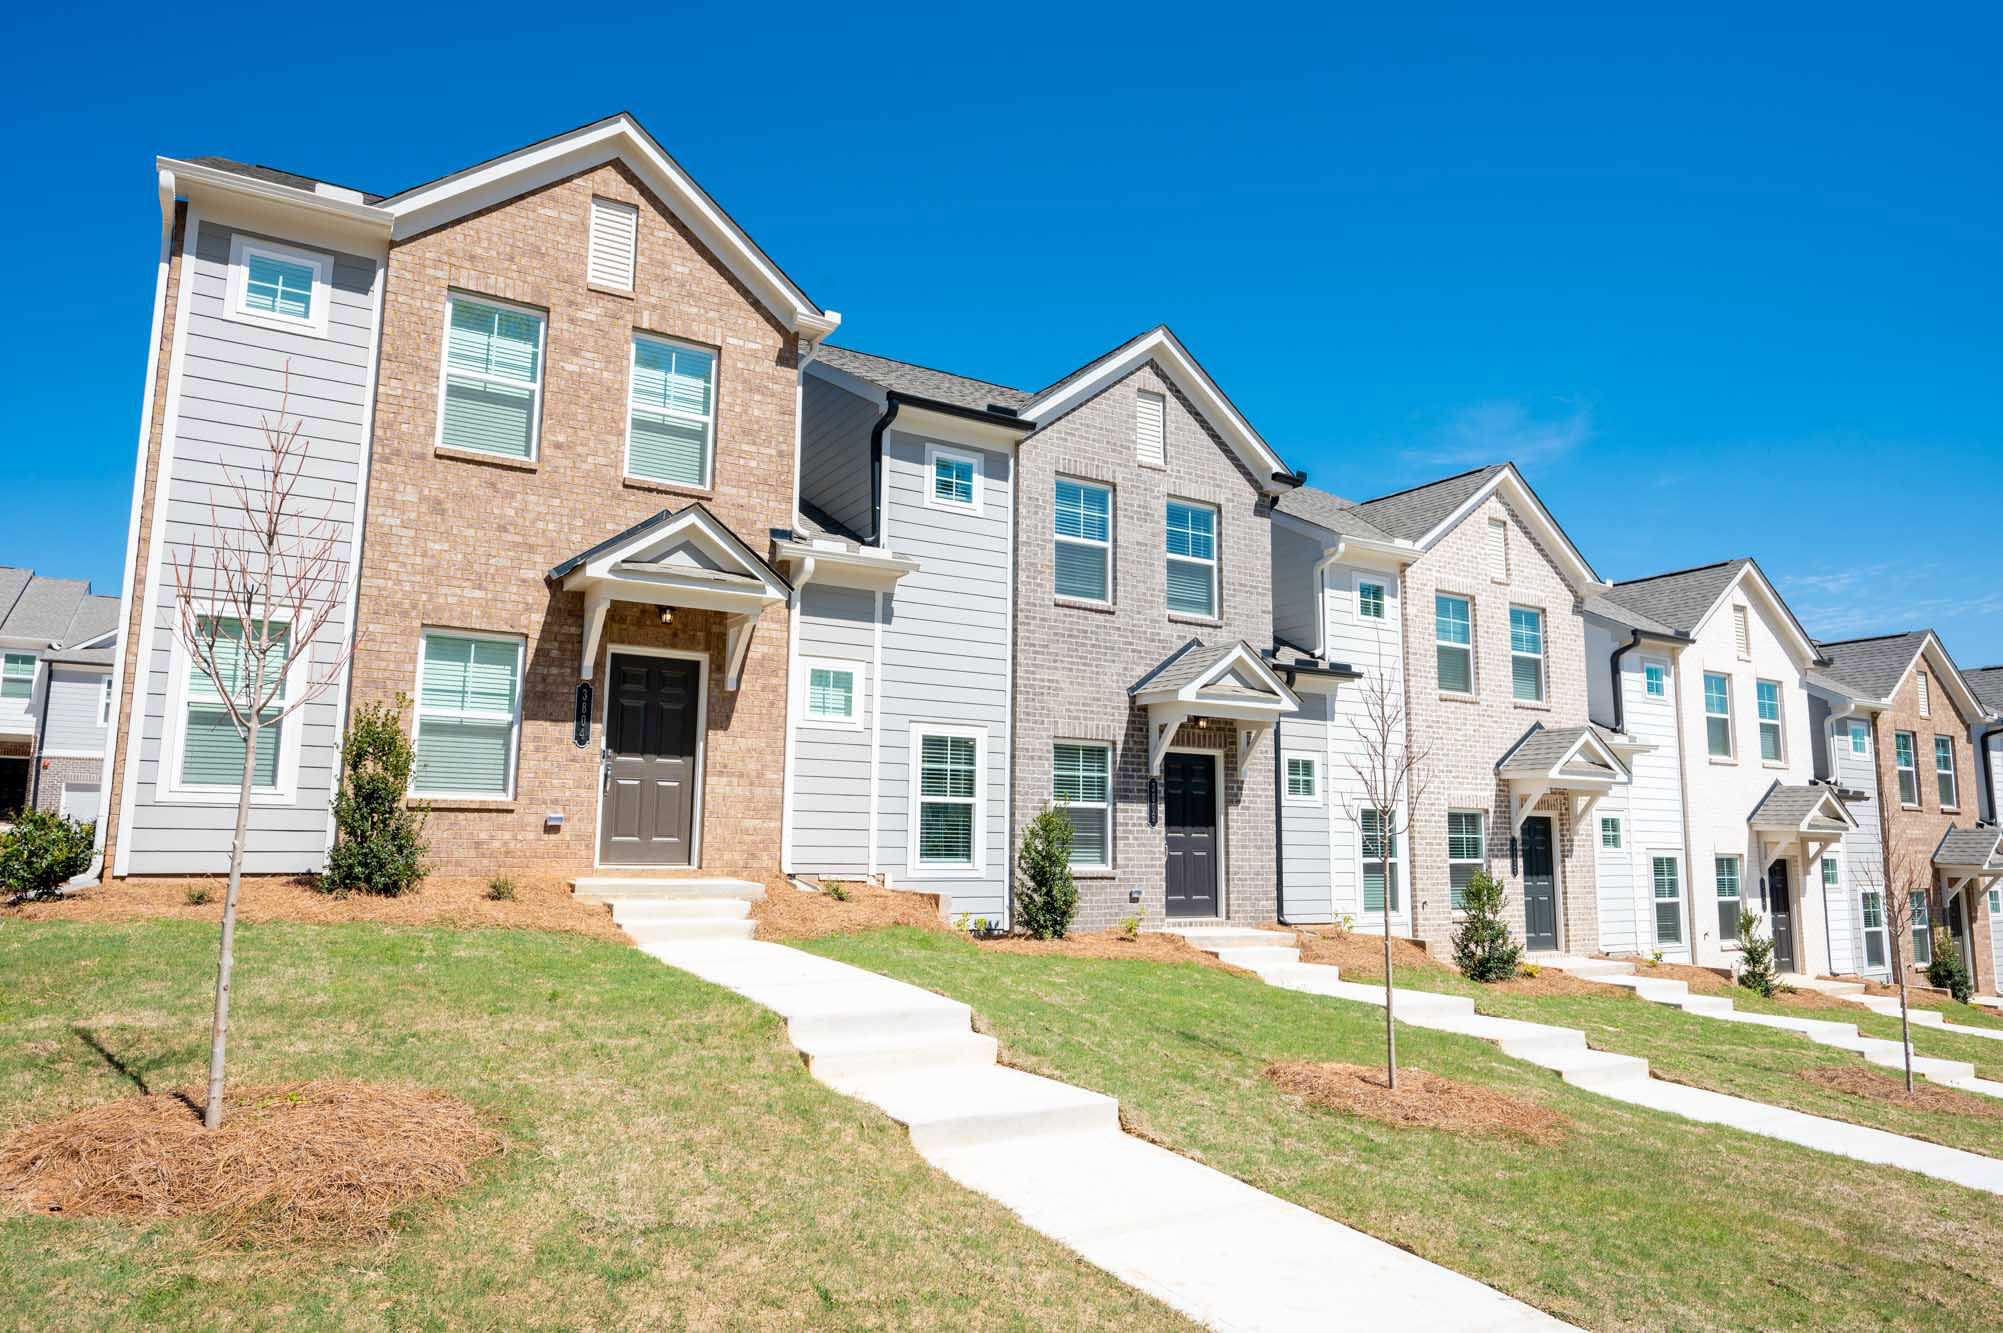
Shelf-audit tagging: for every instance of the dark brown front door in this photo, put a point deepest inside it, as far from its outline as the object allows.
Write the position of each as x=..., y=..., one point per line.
x=1780, y=906
x=1189, y=787
x=1540, y=886
x=650, y=754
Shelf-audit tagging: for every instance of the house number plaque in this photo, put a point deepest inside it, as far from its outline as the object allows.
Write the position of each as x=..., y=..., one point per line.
x=581, y=730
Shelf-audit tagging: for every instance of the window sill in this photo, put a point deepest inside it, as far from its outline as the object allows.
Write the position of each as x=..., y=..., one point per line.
x=1080, y=604
x=1773, y=763
x=1094, y=872
x=1914, y=808
x=497, y=806
x=1950, y=809
x=1454, y=697
x=1182, y=618
x=667, y=488
x=1304, y=803
x=1724, y=761
x=1533, y=707
x=603, y=290
x=491, y=460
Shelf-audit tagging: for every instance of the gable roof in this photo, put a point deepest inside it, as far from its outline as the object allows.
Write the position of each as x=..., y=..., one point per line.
x=1332, y=512
x=617, y=137
x=695, y=515
x=1987, y=683
x=52, y=612
x=1417, y=511
x=1880, y=665
x=1684, y=599
x=1970, y=848
x=922, y=381
x=1562, y=752
x=1598, y=604
x=1806, y=807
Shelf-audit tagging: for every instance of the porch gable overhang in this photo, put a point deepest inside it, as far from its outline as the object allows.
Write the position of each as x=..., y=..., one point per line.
x=1969, y=857
x=680, y=558
x=1228, y=681
x=1579, y=762
x=1808, y=818
x=834, y=560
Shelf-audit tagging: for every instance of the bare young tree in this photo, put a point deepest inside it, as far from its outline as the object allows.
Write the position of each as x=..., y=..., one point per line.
x=252, y=595
x=1908, y=871
x=1391, y=778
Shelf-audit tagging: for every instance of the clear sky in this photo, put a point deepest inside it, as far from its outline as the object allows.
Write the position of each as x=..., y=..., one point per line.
x=1720, y=285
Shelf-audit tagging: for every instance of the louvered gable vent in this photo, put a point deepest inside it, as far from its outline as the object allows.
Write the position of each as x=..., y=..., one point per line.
x=613, y=228
x=1149, y=446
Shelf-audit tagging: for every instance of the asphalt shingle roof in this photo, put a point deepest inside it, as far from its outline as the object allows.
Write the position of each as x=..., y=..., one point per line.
x=45, y=609
x=1413, y=513
x=1183, y=665
x=1599, y=606
x=12, y=581
x=276, y=177
x=1969, y=847
x=95, y=616
x=1987, y=682
x=1875, y=666
x=1786, y=805
x=1678, y=600
x=923, y=381
x=1333, y=512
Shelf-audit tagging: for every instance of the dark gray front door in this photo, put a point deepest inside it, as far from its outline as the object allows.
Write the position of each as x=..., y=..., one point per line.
x=650, y=742
x=1540, y=886
x=1189, y=788
x=1780, y=906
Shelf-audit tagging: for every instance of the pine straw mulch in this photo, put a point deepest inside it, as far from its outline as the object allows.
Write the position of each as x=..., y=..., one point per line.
x=540, y=903
x=1360, y=956
x=1706, y=981
x=1148, y=947
x=788, y=913
x=322, y=1163
x=1917, y=996
x=1421, y=1101
x=1862, y=1082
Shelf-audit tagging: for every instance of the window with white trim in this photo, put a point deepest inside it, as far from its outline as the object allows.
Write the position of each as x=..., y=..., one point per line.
x=1668, y=901
x=469, y=692
x=1084, y=535
x=279, y=286
x=1718, y=714
x=1655, y=679
x=1303, y=779
x=1943, y=773
x=1467, y=853
x=1995, y=902
x=948, y=783
x=490, y=396
x=1150, y=439
x=1369, y=600
x=1872, y=907
x=1766, y=699
x=952, y=479
x=1832, y=878
x=671, y=413
x=1905, y=759
x=1192, y=559
x=17, y=676
x=1731, y=896
x=834, y=693
x=104, y=702
x=615, y=227
x=1922, y=931
x=1526, y=654
x=1860, y=737
x=1453, y=638
x=211, y=747
x=1380, y=864
x=1081, y=782
x=1610, y=833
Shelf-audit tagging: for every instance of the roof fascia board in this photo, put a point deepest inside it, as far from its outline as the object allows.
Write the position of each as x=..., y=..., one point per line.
x=1526, y=503
x=212, y=188
x=916, y=417
x=1805, y=652
x=532, y=168
x=1161, y=346
x=1342, y=547
x=1971, y=707
x=1241, y=654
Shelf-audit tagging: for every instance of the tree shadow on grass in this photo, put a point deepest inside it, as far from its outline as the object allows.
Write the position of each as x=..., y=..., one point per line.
x=135, y=1071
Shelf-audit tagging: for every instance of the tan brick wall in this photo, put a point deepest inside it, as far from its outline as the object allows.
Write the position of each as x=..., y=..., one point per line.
x=466, y=544
x=1922, y=825
x=51, y=773
x=141, y=593
x=1462, y=739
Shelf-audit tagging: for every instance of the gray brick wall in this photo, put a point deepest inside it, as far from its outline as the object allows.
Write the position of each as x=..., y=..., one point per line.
x=1075, y=664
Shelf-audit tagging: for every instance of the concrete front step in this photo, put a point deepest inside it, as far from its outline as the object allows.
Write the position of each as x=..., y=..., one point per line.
x=641, y=910
x=897, y=1054
x=1212, y=938
x=605, y=888
x=1256, y=959
x=682, y=928
x=1821, y=985
x=971, y=1106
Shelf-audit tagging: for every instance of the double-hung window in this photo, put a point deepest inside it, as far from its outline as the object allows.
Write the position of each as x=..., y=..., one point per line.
x=212, y=749
x=834, y=693
x=1610, y=833
x=277, y=286
x=1453, y=638
x=1192, y=559
x=1922, y=932
x=1766, y=697
x=948, y=783
x=1718, y=714
x=1731, y=896
x=1303, y=779
x=1668, y=901
x=1526, y=654
x=1943, y=773
x=1873, y=906
x=671, y=416
x=1466, y=853
x=17, y=676
x=492, y=378
x=1906, y=760
x=1380, y=864
x=1084, y=554
x=1081, y=780
x=955, y=479
x=1655, y=677
x=1860, y=738
x=104, y=702
x=1369, y=600
x=469, y=689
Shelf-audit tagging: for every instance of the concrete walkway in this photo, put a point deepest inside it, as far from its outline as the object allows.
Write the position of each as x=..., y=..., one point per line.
x=1205, y=1243
x=1273, y=958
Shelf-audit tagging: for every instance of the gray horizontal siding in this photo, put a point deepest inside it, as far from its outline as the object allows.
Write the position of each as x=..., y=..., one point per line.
x=74, y=700
x=1306, y=856
x=835, y=426
x=830, y=795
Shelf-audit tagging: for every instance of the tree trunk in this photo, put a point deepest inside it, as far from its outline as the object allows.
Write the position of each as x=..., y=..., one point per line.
x=1390, y=1029
x=212, y=1111
x=1905, y=1022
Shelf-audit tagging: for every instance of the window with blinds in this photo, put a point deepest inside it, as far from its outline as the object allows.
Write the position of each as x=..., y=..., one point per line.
x=493, y=378
x=1081, y=784
x=1526, y=654
x=615, y=227
x=17, y=676
x=947, y=771
x=1905, y=760
x=671, y=425
x=1192, y=559
x=1453, y=640
x=275, y=286
x=278, y=285
x=833, y=689
x=1922, y=931
x=1150, y=441
x=1668, y=901
x=1302, y=785
x=468, y=692
x=1718, y=714
x=1466, y=853
x=1084, y=541
x=1944, y=774
x=212, y=749
x=1731, y=895
x=1766, y=698
x=1380, y=863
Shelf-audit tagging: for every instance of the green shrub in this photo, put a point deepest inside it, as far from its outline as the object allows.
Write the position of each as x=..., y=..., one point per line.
x=1482, y=948
x=41, y=853
x=838, y=891
x=1947, y=972
x=197, y=896
x=380, y=845
x=1046, y=899
x=1756, y=968
x=500, y=889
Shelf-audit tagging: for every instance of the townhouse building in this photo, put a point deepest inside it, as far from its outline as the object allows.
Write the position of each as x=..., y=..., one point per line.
x=1987, y=744
x=55, y=669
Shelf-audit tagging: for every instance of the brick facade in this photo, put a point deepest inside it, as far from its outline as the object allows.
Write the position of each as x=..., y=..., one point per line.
x=1463, y=738
x=456, y=541
x=45, y=784
x=1921, y=826
x=1074, y=664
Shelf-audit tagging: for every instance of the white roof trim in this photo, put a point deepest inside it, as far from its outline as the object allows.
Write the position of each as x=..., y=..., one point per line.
x=1191, y=692
x=1518, y=493
x=1805, y=651
x=618, y=137
x=1161, y=347
x=1826, y=802
x=1555, y=774
x=1971, y=706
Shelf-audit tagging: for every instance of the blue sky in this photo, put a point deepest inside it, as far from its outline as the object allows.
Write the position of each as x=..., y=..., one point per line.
x=1720, y=286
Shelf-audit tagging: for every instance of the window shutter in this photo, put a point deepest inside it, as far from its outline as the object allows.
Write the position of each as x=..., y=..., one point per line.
x=1149, y=444
x=613, y=228
x=1741, y=636
x=1498, y=550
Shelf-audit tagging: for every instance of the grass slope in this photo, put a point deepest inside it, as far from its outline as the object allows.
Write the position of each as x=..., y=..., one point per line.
x=670, y=1163
x=1637, y=1221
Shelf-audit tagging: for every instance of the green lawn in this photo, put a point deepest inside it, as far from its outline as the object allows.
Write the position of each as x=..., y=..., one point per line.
x=1638, y=1221
x=670, y=1162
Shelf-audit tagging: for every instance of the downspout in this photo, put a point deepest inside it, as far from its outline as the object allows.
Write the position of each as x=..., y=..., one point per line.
x=1988, y=767
x=1280, y=815
x=1620, y=694
x=42, y=741
x=891, y=403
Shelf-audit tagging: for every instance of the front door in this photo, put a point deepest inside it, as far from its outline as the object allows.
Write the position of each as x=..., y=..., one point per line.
x=1540, y=887
x=1780, y=903
x=648, y=815
x=1189, y=785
